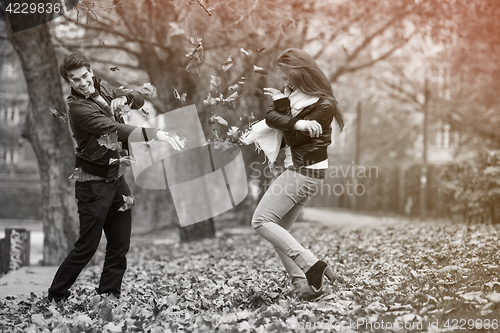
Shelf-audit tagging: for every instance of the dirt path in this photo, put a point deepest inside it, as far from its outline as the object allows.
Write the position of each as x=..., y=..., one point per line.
x=346, y=219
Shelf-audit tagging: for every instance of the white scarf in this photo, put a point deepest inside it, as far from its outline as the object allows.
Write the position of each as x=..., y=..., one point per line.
x=269, y=139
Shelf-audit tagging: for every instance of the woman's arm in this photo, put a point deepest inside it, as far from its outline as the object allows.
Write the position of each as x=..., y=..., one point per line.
x=313, y=125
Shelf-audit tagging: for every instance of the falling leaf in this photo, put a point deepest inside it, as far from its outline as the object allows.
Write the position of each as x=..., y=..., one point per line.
x=215, y=82
x=192, y=67
x=261, y=50
x=196, y=53
x=125, y=161
x=259, y=70
x=77, y=174
x=233, y=87
x=128, y=202
x=230, y=98
x=223, y=145
x=125, y=90
x=180, y=98
x=123, y=110
x=258, y=92
x=226, y=65
x=57, y=114
x=209, y=100
x=218, y=119
x=104, y=44
x=175, y=29
x=242, y=80
x=110, y=141
x=210, y=10
x=145, y=111
x=233, y=130
x=244, y=51
x=147, y=89
x=114, y=69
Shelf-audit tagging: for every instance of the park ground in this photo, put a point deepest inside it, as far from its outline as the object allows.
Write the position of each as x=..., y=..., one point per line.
x=398, y=275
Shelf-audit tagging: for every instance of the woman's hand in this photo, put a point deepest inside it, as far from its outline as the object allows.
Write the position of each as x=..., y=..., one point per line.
x=311, y=126
x=174, y=140
x=272, y=92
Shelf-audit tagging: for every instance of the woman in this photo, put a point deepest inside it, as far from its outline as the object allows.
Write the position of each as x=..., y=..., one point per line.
x=304, y=112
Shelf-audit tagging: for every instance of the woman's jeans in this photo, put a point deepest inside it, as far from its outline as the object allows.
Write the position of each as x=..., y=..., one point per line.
x=277, y=211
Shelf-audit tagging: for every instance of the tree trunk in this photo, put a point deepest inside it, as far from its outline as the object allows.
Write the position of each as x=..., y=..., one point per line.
x=197, y=231
x=50, y=139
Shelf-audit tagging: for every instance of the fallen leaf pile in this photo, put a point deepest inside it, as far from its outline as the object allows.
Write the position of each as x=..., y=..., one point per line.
x=409, y=277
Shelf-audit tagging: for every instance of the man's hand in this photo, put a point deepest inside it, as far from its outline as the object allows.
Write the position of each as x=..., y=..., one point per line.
x=174, y=140
x=118, y=103
x=311, y=126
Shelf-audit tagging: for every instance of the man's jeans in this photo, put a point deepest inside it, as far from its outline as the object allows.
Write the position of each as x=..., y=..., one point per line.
x=277, y=211
x=98, y=207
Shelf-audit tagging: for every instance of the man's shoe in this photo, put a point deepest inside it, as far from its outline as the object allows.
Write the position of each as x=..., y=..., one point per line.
x=304, y=290
x=57, y=298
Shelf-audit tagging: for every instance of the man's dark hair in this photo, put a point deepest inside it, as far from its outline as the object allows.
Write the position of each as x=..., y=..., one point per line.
x=73, y=61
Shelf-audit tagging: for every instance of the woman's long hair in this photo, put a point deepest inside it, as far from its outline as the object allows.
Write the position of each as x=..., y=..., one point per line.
x=304, y=74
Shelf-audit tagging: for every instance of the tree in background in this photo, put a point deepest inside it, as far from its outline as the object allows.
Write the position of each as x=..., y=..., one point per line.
x=51, y=140
x=473, y=104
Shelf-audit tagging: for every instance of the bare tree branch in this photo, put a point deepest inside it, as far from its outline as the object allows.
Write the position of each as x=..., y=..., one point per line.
x=97, y=46
x=105, y=28
x=256, y=2
x=380, y=58
x=393, y=88
x=335, y=34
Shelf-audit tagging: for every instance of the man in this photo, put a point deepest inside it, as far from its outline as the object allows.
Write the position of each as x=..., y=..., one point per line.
x=100, y=188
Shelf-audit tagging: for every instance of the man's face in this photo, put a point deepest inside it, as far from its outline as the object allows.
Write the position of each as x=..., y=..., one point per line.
x=80, y=79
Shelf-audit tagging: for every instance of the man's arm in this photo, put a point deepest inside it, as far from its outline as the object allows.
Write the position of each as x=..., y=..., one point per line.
x=133, y=98
x=94, y=121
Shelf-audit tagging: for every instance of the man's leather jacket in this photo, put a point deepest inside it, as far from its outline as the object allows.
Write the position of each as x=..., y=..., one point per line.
x=89, y=121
